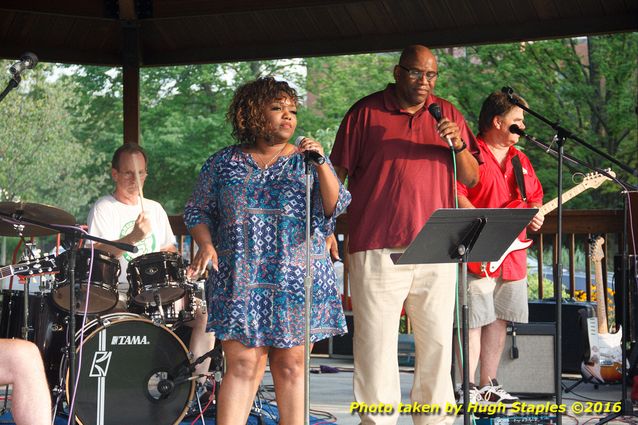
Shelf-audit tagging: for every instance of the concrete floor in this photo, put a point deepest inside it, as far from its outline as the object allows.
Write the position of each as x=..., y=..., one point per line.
x=332, y=392
x=331, y=395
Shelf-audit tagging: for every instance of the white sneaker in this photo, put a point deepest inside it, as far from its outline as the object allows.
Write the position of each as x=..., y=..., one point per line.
x=475, y=394
x=493, y=393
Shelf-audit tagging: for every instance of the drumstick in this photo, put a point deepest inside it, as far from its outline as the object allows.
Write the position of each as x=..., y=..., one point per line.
x=139, y=184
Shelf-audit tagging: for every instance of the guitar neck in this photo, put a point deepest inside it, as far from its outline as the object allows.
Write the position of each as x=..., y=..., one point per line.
x=601, y=309
x=571, y=193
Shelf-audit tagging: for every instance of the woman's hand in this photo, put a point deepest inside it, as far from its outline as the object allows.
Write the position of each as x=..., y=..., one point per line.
x=308, y=144
x=333, y=247
x=205, y=253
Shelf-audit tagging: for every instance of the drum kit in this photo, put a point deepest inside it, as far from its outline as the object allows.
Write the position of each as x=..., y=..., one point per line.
x=131, y=365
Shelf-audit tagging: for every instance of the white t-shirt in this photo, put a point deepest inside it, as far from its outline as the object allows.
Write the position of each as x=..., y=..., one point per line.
x=111, y=219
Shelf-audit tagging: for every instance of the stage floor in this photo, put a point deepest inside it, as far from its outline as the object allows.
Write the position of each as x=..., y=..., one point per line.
x=331, y=395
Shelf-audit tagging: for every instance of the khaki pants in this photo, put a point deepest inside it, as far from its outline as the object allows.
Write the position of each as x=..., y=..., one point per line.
x=379, y=291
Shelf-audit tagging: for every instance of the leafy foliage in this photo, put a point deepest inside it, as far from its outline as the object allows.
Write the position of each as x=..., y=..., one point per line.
x=69, y=124
x=183, y=120
x=41, y=160
x=588, y=84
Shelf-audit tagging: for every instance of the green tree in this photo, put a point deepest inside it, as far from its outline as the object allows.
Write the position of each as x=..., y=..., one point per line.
x=41, y=160
x=588, y=83
x=335, y=83
x=183, y=120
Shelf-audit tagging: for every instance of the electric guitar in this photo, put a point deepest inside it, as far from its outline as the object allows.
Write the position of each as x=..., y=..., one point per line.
x=492, y=269
x=31, y=268
x=608, y=344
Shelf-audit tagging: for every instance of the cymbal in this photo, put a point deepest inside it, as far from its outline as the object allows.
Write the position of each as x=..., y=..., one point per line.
x=46, y=214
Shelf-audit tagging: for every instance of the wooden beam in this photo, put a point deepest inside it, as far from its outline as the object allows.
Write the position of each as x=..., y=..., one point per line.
x=172, y=9
x=131, y=82
x=70, y=8
x=367, y=43
x=584, y=222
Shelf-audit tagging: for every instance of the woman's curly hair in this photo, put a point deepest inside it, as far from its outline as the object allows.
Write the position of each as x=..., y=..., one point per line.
x=245, y=112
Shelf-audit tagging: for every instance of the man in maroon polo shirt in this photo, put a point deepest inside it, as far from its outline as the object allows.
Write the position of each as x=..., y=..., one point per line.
x=400, y=170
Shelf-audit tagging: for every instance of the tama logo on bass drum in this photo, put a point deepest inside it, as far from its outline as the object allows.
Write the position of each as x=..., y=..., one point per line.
x=129, y=340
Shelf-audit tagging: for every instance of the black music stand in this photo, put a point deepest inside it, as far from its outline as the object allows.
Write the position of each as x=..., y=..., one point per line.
x=461, y=236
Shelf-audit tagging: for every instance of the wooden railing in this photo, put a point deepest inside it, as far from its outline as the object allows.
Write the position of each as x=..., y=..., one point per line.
x=578, y=228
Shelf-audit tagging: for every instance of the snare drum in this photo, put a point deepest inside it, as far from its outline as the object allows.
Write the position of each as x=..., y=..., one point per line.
x=102, y=286
x=157, y=273
x=126, y=360
x=176, y=313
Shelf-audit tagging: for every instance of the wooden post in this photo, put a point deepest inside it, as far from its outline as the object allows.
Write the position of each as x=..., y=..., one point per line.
x=131, y=81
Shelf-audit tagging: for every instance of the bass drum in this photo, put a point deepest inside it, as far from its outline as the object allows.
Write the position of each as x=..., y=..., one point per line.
x=126, y=359
x=46, y=327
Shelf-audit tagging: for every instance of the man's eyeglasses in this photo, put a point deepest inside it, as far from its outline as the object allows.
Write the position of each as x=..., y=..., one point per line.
x=130, y=175
x=417, y=75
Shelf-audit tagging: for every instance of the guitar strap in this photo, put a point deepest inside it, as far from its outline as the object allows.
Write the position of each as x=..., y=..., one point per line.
x=518, y=173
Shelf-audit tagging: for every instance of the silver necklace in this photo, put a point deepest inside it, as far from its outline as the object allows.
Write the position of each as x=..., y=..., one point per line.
x=267, y=164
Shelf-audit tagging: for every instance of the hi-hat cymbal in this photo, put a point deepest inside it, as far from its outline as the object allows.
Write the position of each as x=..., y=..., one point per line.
x=38, y=212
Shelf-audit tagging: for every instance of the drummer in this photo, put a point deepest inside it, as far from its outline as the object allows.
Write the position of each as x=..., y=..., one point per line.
x=125, y=217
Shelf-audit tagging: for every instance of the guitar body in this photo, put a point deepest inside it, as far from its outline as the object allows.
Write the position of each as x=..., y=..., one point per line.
x=611, y=372
x=608, y=363
x=610, y=356
x=493, y=269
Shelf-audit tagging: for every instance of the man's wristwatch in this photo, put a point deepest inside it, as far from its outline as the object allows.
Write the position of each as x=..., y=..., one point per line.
x=462, y=148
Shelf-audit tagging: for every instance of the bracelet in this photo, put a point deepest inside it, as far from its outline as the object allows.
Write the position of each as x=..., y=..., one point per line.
x=462, y=148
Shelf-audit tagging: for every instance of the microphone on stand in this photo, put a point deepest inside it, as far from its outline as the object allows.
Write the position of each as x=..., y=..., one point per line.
x=514, y=129
x=548, y=148
x=435, y=111
x=28, y=60
x=312, y=156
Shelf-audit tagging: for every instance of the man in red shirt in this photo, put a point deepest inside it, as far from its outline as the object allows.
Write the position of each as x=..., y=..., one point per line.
x=501, y=299
x=400, y=170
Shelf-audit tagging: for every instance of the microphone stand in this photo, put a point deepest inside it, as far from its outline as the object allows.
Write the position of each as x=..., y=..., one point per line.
x=566, y=134
x=573, y=160
x=561, y=136
x=308, y=293
x=13, y=83
x=73, y=233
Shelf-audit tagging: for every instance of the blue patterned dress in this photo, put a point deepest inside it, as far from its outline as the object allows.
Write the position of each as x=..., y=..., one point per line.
x=257, y=222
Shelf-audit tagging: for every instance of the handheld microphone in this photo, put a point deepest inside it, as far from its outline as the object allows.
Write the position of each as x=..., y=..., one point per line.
x=435, y=111
x=312, y=156
x=27, y=61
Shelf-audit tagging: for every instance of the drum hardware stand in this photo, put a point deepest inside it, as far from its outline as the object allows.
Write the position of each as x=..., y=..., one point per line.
x=561, y=136
x=72, y=235
x=27, y=330
x=185, y=374
x=158, y=303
